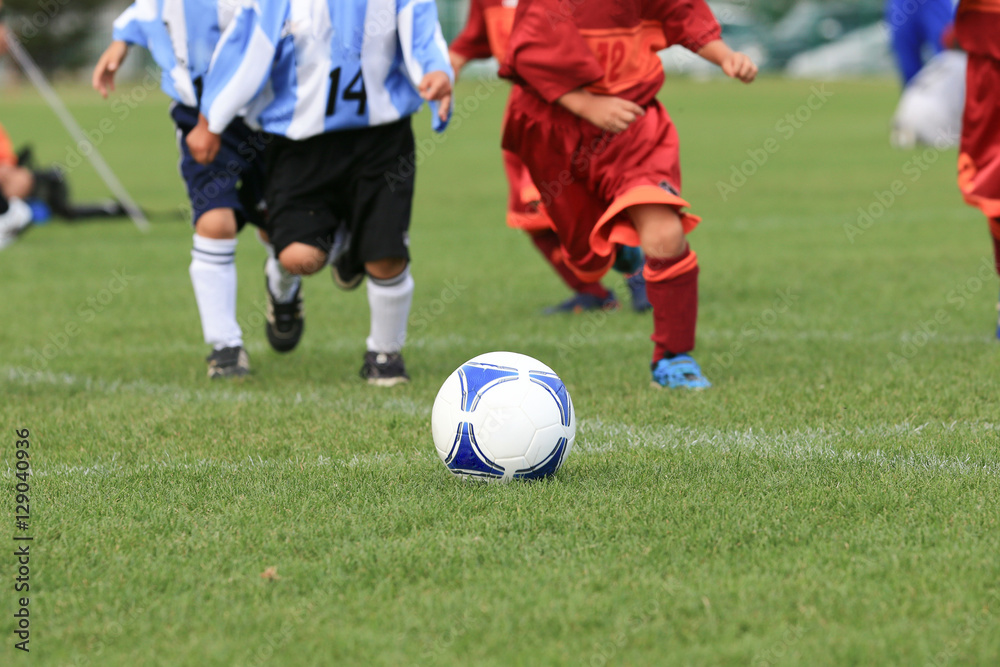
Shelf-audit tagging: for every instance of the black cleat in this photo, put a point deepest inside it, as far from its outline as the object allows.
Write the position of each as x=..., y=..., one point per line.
x=345, y=277
x=384, y=370
x=228, y=362
x=285, y=321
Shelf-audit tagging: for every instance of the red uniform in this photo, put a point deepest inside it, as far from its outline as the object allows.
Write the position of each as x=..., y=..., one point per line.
x=588, y=177
x=977, y=26
x=486, y=34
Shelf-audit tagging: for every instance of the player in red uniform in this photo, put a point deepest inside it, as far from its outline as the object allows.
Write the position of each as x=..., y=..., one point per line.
x=977, y=26
x=485, y=34
x=584, y=118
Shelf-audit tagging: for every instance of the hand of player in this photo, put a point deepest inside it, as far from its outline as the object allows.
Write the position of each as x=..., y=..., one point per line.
x=202, y=142
x=457, y=62
x=437, y=86
x=611, y=114
x=739, y=66
x=103, y=78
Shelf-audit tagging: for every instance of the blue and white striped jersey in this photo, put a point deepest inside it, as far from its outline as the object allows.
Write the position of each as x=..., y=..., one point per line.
x=181, y=35
x=315, y=66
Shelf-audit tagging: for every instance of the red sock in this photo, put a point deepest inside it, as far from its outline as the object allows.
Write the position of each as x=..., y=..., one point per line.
x=547, y=243
x=672, y=288
x=995, y=233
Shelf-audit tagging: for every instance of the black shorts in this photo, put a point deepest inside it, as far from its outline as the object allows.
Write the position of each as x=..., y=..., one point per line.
x=361, y=178
x=235, y=179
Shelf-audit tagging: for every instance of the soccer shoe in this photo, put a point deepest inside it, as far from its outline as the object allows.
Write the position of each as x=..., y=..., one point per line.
x=998, y=322
x=285, y=321
x=629, y=260
x=681, y=372
x=14, y=222
x=637, y=286
x=384, y=370
x=228, y=362
x=344, y=276
x=580, y=302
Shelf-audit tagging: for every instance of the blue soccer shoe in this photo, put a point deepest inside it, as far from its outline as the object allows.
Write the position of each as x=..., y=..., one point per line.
x=681, y=372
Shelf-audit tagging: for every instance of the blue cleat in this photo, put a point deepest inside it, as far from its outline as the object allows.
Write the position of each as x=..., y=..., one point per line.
x=637, y=286
x=998, y=322
x=629, y=260
x=583, y=302
x=681, y=372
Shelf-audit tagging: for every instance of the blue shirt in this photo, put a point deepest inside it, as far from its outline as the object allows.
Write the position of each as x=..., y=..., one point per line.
x=181, y=35
x=315, y=66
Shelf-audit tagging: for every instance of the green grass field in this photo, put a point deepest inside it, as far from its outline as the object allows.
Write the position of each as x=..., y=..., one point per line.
x=834, y=499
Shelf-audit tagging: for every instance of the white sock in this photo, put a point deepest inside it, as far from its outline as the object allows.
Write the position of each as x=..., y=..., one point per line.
x=281, y=283
x=213, y=274
x=389, y=302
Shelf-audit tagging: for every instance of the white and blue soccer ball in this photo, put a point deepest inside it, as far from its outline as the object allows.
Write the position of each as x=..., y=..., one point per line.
x=503, y=416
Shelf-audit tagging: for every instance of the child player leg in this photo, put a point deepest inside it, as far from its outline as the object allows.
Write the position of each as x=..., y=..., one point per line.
x=672, y=286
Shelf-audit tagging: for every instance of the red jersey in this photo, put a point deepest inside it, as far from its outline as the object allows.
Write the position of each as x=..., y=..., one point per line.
x=977, y=27
x=487, y=31
x=607, y=47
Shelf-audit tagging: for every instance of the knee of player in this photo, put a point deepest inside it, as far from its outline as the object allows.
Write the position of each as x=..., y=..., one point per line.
x=663, y=240
x=302, y=259
x=219, y=223
x=385, y=269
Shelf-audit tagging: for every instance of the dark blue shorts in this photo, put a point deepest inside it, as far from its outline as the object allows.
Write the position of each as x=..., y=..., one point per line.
x=235, y=179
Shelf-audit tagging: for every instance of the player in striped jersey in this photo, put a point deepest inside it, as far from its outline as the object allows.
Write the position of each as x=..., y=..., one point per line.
x=336, y=81
x=977, y=27
x=181, y=35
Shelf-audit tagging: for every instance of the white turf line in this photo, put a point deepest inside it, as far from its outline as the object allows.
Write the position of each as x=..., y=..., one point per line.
x=593, y=437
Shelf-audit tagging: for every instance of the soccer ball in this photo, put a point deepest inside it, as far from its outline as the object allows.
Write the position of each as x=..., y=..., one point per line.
x=503, y=416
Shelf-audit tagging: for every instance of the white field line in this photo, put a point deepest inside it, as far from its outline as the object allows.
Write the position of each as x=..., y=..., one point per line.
x=597, y=437
x=594, y=435
x=807, y=444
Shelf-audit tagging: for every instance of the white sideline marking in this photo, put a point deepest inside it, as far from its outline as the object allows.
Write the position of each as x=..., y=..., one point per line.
x=596, y=436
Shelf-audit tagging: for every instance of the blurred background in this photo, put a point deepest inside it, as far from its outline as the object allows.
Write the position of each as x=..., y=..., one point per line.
x=802, y=38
